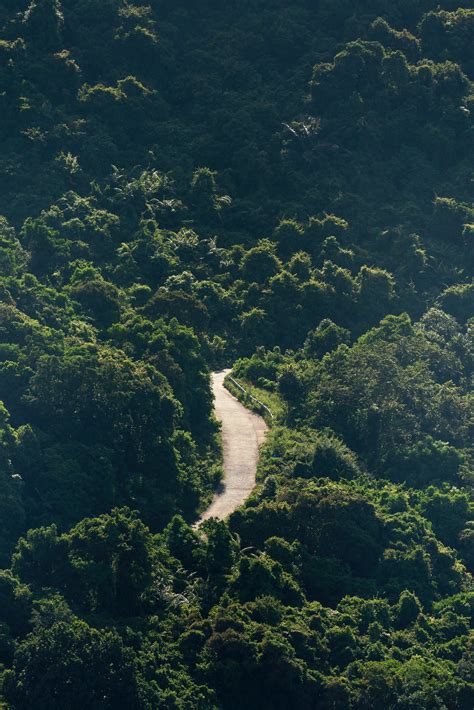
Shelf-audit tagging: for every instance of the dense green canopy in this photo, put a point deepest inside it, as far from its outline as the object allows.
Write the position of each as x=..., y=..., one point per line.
x=281, y=184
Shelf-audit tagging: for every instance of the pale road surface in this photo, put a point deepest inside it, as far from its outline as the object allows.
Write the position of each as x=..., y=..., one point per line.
x=242, y=435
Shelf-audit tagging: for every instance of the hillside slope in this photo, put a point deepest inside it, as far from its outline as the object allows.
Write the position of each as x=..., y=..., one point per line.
x=283, y=185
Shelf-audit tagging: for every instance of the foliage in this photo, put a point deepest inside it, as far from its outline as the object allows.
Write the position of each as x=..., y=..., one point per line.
x=282, y=185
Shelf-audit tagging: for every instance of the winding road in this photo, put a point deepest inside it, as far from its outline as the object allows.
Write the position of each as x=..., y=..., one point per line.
x=242, y=435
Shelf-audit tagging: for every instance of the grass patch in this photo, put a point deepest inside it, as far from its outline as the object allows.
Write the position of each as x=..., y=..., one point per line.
x=253, y=395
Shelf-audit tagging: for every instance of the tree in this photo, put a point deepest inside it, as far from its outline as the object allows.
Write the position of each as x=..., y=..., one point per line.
x=72, y=665
x=458, y=300
x=376, y=291
x=40, y=558
x=186, y=308
x=15, y=603
x=262, y=576
x=408, y=609
x=100, y=299
x=301, y=265
x=448, y=512
x=425, y=462
x=111, y=559
x=327, y=337
x=254, y=326
x=289, y=237
x=183, y=543
x=99, y=396
x=40, y=240
x=43, y=22
x=334, y=459
x=222, y=547
x=204, y=197
x=260, y=263
x=292, y=387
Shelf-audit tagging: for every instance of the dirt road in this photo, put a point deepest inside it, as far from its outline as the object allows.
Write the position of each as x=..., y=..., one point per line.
x=242, y=434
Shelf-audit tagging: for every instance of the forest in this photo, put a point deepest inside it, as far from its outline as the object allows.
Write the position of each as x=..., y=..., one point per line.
x=281, y=186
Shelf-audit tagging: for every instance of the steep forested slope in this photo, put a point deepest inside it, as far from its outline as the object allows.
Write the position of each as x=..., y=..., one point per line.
x=288, y=185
